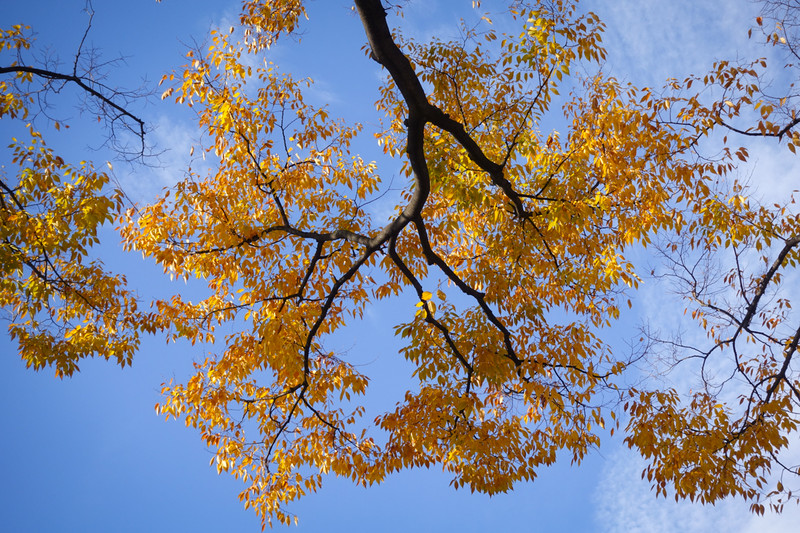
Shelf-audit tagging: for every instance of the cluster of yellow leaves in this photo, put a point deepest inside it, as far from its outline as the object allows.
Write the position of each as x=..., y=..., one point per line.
x=15, y=38
x=63, y=305
x=702, y=450
x=728, y=435
x=602, y=189
x=280, y=233
x=11, y=103
x=259, y=230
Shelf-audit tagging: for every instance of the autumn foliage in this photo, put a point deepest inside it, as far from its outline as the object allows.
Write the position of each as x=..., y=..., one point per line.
x=530, y=181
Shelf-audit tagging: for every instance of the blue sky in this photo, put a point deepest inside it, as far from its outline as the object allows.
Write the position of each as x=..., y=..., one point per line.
x=89, y=453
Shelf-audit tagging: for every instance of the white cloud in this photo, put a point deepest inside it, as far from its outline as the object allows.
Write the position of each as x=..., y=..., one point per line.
x=652, y=41
x=172, y=140
x=624, y=503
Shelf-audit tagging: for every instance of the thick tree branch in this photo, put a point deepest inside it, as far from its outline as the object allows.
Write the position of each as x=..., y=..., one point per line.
x=386, y=52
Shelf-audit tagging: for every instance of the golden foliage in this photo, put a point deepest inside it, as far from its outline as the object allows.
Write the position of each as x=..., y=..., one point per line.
x=64, y=306
x=514, y=236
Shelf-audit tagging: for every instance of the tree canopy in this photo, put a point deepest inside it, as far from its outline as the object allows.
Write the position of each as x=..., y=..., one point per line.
x=527, y=183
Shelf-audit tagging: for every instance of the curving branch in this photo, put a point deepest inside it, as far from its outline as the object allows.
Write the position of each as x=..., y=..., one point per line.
x=85, y=85
x=385, y=51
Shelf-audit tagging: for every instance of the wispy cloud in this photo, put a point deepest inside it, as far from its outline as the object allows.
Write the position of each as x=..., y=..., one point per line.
x=172, y=139
x=651, y=41
x=624, y=503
